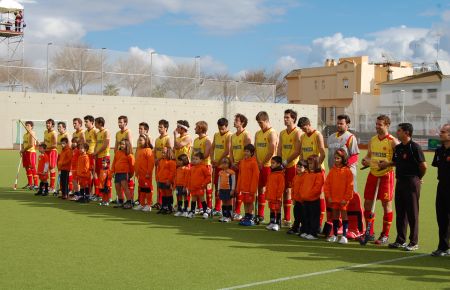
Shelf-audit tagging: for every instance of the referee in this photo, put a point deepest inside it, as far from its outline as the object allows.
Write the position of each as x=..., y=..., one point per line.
x=410, y=166
x=441, y=160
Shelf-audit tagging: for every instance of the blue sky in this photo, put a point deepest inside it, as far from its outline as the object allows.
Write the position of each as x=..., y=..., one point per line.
x=236, y=36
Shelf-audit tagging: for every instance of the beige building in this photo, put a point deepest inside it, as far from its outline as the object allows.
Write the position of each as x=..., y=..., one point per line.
x=334, y=86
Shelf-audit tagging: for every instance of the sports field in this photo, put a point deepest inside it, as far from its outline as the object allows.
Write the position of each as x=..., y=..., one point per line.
x=49, y=243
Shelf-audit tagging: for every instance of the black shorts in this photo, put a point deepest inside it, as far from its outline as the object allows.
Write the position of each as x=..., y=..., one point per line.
x=162, y=185
x=181, y=191
x=225, y=194
x=119, y=177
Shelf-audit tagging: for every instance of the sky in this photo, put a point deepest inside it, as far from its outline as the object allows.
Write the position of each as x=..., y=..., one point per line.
x=234, y=36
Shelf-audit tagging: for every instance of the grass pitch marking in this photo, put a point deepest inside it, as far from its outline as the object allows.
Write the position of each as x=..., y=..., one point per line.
x=323, y=272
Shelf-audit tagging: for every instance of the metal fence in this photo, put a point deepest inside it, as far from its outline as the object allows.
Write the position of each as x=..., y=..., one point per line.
x=60, y=69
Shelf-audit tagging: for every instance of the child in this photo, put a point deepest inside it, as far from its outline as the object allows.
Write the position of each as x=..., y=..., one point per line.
x=64, y=165
x=247, y=184
x=73, y=169
x=104, y=179
x=180, y=182
x=123, y=170
x=274, y=192
x=198, y=180
x=310, y=197
x=145, y=162
x=167, y=168
x=42, y=170
x=226, y=186
x=338, y=192
x=83, y=172
x=296, y=187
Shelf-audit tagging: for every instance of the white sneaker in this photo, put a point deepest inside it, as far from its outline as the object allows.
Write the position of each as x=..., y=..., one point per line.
x=304, y=235
x=276, y=227
x=184, y=214
x=205, y=215
x=343, y=240
x=221, y=219
x=310, y=237
x=178, y=213
x=226, y=220
x=270, y=226
x=332, y=239
x=146, y=208
x=190, y=215
x=237, y=217
x=138, y=207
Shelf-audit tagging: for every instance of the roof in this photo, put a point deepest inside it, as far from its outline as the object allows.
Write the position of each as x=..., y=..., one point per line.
x=426, y=77
x=293, y=73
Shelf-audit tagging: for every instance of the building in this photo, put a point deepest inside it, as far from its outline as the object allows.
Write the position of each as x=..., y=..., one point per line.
x=334, y=86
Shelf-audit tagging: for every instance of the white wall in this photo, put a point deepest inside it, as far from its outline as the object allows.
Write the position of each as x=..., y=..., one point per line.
x=39, y=106
x=393, y=99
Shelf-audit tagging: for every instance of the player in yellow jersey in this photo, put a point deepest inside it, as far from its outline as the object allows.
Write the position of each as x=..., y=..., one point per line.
x=182, y=140
x=90, y=136
x=50, y=140
x=123, y=133
x=220, y=149
x=380, y=148
x=162, y=144
x=28, y=153
x=266, y=145
x=79, y=131
x=238, y=141
x=101, y=152
x=203, y=144
x=289, y=150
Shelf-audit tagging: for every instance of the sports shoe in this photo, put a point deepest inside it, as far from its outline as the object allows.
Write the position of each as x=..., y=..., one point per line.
x=38, y=193
x=136, y=202
x=221, y=219
x=127, y=205
x=138, y=207
x=184, y=214
x=411, y=247
x=276, y=227
x=217, y=213
x=205, y=215
x=104, y=203
x=178, y=213
x=286, y=223
x=291, y=231
x=247, y=222
x=226, y=220
x=35, y=187
x=343, y=240
x=311, y=237
x=303, y=235
x=25, y=187
x=146, y=208
x=332, y=239
x=259, y=219
x=270, y=226
x=118, y=205
x=237, y=217
x=382, y=240
x=440, y=253
x=156, y=206
x=397, y=245
x=190, y=215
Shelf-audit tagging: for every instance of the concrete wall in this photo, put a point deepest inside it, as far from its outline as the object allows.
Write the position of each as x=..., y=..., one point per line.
x=39, y=106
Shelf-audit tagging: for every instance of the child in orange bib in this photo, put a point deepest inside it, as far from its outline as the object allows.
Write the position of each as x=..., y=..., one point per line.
x=198, y=180
x=274, y=192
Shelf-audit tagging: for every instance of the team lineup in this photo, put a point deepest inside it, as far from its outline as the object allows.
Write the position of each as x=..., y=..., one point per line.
x=233, y=170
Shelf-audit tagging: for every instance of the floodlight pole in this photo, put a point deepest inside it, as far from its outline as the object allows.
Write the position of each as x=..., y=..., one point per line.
x=48, y=75
x=151, y=73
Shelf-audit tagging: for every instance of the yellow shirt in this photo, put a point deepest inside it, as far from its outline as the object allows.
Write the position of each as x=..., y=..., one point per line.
x=160, y=143
x=262, y=145
x=200, y=146
x=48, y=138
x=122, y=135
x=237, y=145
x=288, y=145
x=91, y=139
x=58, y=141
x=26, y=142
x=183, y=150
x=78, y=134
x=380, y=150
x=220, y=141
x=101, y=139
x=309, y=145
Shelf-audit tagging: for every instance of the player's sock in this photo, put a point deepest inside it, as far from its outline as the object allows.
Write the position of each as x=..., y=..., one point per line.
x=218, y=202
x=179, y=205
x=35, y=176
x=204, y=206
x=335, y=227
x=97, y=186
x=193, y=204
x=170, y=202
x=141, y=197
x=209, y=197
x=323, y=209
x=278, y=218
x=131, y=188
x=159, y=196
x=186, y=205
x=261, y=204
x=52, y=179
x=149, y=198
x=29, y=176
x=287, y=209
x=238, y=204
x=368, y=220
x=272, y=217
x=344, y=228
x=387, y=221
x=224, y=210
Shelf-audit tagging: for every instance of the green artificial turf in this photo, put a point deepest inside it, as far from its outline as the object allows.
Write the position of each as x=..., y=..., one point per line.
x=49, y=243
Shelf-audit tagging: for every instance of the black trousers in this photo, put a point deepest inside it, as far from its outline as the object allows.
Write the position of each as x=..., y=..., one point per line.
x=407, y=194
x=443, y=214
x=64, y=182
x=298, y=209
x=311, y=217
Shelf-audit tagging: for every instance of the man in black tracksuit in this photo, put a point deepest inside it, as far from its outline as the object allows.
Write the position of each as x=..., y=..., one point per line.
x=442, y=162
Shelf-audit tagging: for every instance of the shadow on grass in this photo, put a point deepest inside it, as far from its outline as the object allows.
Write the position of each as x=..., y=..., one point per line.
x=423, y=269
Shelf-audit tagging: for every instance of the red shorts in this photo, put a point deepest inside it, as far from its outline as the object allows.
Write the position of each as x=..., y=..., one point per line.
x=248, y=197
x=263, y=176
x=74, y=175
x=84, y=182
x=52, y=158
x=98, y=163
x=216, y=176
x=200, y=192
x=385, y=189
x=91, y=162
x=145, y=182
x=339, y=206
x=274, y=205
x=29, y=159
x=289, y=174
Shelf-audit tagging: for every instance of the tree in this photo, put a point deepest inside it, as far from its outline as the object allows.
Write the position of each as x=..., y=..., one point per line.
x=111, y=90
x=274, y=77
x=180, y=80
x=76, y=67
x=135, y=71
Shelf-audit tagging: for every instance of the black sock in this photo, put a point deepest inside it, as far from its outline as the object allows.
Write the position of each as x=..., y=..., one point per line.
x=204, y=206
x=186, y=205
x=46, y=187
x=335, y=227
x=120, y=201
x=272, y=217
x=170, y=202
x=179, y=205
x=224, y=210
x=278, y=219
x=344, y=228
x=193, y=204
x=230, y=209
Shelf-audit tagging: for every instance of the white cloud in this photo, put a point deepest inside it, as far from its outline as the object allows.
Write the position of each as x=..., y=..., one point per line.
x=286, y=63
x=57, y=29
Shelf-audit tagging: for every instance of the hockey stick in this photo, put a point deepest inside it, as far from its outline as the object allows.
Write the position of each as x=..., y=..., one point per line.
x=18, y=171
x=365, y=239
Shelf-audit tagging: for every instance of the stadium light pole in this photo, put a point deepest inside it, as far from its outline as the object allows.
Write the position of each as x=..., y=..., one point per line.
x=103, y=49
x=197, y=72
x=48, y=76
x=151, y=73
x=402, y=92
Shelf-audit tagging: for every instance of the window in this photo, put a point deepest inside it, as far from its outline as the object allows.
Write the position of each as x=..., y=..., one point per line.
x=417, y=93
x=432, y=93
x=345, y=82
x=323, y=84
x=332, y=113
x=315, y=85
x=447, y=99
x=323, y=114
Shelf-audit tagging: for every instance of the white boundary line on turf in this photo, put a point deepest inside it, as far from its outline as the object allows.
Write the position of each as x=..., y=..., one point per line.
x=323, y=272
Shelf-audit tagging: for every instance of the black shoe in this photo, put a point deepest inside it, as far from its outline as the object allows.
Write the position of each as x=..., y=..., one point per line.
x=292, y=231
x=45, y=193
x=156, y=206
x=397, y=245
x=38, y=193
x=127, y=205
x=118, y=205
